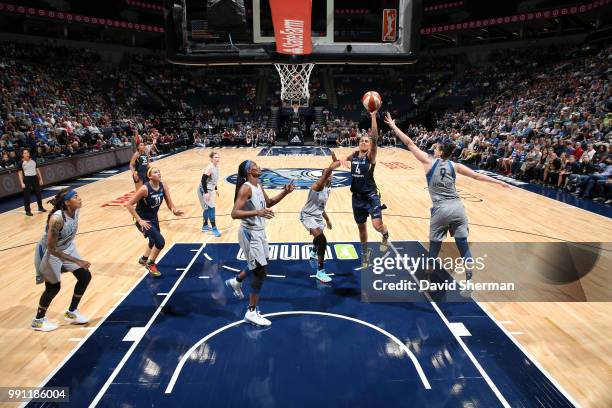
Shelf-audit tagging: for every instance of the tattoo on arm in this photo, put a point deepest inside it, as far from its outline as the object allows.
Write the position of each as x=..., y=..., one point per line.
x=55, y=226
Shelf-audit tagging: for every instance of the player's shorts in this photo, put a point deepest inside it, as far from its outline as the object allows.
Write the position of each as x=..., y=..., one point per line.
x=254, y=245
x=366, y=204
x=309, y=222
x=210, y=203
x=448, y=216
x=148, y=233
x=49, y=268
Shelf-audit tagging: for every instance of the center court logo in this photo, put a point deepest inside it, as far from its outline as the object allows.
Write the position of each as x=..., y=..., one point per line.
x=302, y=178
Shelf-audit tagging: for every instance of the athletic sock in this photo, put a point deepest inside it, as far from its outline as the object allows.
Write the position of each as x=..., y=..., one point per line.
x=41, y=312
x=239, y=279
x=251, y=308
x=75, y=302
x=386, y=235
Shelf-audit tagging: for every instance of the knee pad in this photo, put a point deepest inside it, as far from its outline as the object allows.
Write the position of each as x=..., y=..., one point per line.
x=259, y=275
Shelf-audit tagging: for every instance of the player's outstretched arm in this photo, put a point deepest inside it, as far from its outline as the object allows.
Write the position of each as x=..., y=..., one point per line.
x=466, y=171
x=374, y=137
x=418, y=153
x=318, y=185
x=271, y=202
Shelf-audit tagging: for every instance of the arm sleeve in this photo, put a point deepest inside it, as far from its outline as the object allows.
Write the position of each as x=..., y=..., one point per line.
x=204, y=182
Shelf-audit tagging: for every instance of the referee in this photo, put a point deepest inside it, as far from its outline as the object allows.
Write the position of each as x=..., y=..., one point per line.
x=31, y=180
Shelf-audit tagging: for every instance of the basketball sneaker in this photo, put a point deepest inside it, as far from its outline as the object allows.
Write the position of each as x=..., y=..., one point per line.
x=75, y=317
x=143, y=260
x=215, y=232
x=43, y=325
x=384, y=245
x=152, y=268
x=254, y=317
x=236, y=287
x=205, y=228
x=365, y=258
x=323, y=276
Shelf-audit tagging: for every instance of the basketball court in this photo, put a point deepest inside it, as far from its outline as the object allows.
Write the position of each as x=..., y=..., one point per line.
x=180, y=340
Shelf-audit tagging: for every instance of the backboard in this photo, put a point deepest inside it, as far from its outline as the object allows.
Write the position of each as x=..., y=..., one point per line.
x=217, y=32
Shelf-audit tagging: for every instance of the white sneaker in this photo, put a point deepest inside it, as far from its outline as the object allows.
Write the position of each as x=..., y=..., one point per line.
x=235, y=286
x=43, y=325
x=256, y=318
x=75, y=317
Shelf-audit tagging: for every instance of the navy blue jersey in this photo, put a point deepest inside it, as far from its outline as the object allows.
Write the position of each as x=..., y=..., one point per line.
x=142, y=164
x=148, y=206
x=362, y=172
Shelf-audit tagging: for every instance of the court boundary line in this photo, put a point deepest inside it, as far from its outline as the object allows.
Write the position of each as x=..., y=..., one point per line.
x=128, y=354
x=529, y=356
x=95, y=328
x=546, y=374
x=411, y=356
x=467, y=351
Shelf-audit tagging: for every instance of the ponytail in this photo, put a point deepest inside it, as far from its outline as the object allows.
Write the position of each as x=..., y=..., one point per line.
x=58, y=202
x=241, y=177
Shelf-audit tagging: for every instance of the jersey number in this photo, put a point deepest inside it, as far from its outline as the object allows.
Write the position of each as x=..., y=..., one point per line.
x=443, y=172
x=357, y=169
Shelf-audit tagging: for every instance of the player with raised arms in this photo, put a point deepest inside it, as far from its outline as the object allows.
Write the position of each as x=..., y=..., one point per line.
x=312, y=216
x=447, y=212
x=366, y=197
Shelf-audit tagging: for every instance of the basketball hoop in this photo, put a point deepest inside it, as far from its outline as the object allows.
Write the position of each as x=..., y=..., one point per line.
x=294, y=82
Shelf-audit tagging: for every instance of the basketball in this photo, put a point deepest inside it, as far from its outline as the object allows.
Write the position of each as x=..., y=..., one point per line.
x=371, y=101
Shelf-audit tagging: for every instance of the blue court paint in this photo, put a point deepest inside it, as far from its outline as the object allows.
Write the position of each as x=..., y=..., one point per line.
x=301, y=360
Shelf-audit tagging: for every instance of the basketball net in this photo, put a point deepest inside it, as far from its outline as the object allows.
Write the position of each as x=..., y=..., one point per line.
x=294, y=82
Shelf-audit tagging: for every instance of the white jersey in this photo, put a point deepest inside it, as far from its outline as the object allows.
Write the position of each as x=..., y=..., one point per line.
x=315, y=203
x=66, y=234
x=256, y=202
x=213, y=179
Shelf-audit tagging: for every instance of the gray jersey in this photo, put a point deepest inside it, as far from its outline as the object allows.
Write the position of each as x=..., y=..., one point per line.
x=211, y=182
x=256, y=202
x=441, y=181
x=67, y=233
x=315, y=203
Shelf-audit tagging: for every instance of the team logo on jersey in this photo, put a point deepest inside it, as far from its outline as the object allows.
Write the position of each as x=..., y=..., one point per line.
x=302, y=178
